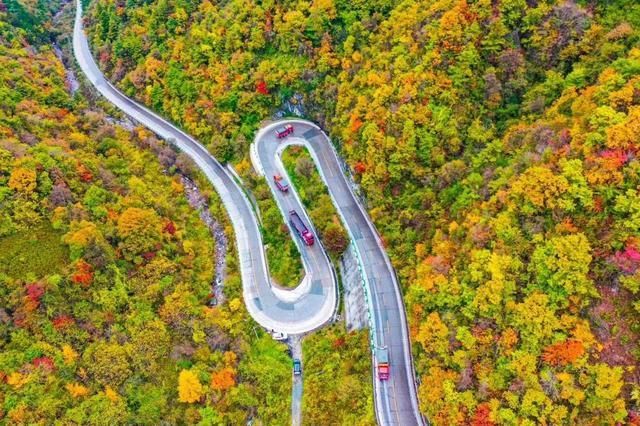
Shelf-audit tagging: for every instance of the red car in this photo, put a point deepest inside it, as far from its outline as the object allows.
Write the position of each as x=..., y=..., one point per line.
x=284, y=131
x=281, y=184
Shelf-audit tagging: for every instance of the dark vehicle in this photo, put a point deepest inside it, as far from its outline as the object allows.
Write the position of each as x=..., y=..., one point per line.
x=297, y=367
x=382, y=361
x=281, y=183
x=212, y=300
x=284, y=131
x=300, y=228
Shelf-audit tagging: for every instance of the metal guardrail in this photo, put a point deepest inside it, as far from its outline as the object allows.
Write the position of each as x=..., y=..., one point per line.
x=367, y=298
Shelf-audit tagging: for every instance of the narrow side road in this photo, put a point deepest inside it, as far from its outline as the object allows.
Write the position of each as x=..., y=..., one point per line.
x=295, y=344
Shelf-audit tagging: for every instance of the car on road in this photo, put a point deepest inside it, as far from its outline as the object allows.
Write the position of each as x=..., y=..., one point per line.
x=281, y=183
x=297, y=367
x=278, y=335
x=284, y=131
x=212, y=300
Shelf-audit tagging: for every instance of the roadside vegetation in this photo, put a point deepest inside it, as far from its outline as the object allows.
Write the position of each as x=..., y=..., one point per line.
x=338, y=388
x=283, y=257
x=497, y=145
x=106, y=271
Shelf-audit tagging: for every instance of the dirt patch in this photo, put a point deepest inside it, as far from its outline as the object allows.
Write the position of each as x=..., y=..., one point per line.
x=197, y=201
x=613, y=319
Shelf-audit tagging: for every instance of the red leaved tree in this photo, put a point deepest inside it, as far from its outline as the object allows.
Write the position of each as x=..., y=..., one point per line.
x=482, y=416
x=261, y=88
x=83, y=274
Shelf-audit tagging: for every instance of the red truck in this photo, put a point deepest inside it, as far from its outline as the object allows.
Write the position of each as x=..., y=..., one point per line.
x=300, y=228
x=281, y=184
x=382, y=361
x=284, y=131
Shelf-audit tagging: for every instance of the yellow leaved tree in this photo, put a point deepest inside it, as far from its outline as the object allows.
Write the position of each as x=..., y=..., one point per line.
x=68, y=354
x=189, y=387
x=22, y=180
x=77, y=390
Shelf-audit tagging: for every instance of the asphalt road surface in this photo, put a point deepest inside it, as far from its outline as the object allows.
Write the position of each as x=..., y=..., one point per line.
x=313, y=303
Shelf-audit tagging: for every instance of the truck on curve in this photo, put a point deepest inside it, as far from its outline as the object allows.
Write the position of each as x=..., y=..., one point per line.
x=300, y=228
x=284, y=131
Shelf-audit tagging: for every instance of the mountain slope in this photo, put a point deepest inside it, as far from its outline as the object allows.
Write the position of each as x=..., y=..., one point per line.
x=106, y=271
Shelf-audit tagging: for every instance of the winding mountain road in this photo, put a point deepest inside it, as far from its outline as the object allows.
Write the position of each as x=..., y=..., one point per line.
x=313, y=303
x=396, y=401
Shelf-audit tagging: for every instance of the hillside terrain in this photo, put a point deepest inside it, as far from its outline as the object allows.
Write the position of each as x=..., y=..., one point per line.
x=496, y=143
x=106, y=271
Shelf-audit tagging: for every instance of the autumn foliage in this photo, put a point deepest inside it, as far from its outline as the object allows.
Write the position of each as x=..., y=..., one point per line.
x=563, y=353
x=496, y=145
x=77, y=390
x=22, y=180
x=44, y=362
x=97, y=241
x=35, y=291
x=169, y=228
x=62, y=321
x=482, y=416
x=223, y=379
x=261, y=87
x=83, y=274
x=84, y=173
x=189, y=387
